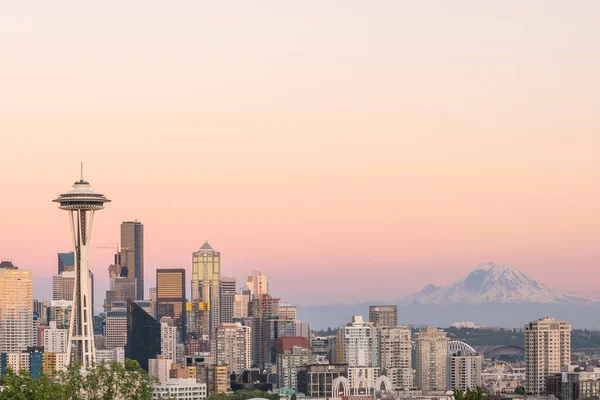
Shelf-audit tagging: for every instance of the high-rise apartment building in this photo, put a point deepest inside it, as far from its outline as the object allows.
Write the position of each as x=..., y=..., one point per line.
x=206, y=289
x=55, y=340
x=227, y=299
x=16, y=309
x=547, y=350
x=168, y=339
x=383, y=316
x=395, y=356
x=431, y=352
x=233, y=347
x=464, y=371
x=170, y=296
x=360, y=344
x=132, y=253
x=66, y=262
x=258, y=284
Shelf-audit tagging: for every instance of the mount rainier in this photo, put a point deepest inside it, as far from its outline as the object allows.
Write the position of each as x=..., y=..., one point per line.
x=494, y=283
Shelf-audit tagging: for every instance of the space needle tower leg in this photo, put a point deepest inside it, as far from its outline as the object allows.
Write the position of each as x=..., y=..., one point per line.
x=81, y=202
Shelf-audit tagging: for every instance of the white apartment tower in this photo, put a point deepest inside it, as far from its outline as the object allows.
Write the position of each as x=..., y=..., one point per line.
x=360, y=344
x=168, y=339
x=431, y=352
x=55, y=340
x=234, y=347
x=547, y=350
x=464, y=371
x=16, y=309
x=395, y=356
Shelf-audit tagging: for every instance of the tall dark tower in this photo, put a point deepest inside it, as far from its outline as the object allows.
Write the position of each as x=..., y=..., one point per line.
x=132, y=253
x=82, y=203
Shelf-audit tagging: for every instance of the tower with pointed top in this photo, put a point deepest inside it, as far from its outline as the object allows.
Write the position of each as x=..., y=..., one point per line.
x=206, y=289
x=82, y=202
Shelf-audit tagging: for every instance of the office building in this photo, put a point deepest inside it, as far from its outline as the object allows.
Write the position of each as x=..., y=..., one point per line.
x=286, y=343
x=302, y=329
x=170, y=297
x=383, y=316
x=66, y=262
x=240, y=306
x=287, y=311
x=464, y=371
x=574, y=383
x=60, y=312
x=115, y=329
x=258, y=284
x=431, y=352
x=220, y=379
x=227, y=299
x=547, y=350
x=132, y=253
x=168, y=339
x=262, y=309
x=316, y=381
x=290, y=362
x=122, y=285
x=55, y=340
x=321, y=345
x=359, y=344
x=16, y=309
x=206, y=289
x=143, y=335
x=233, y=347
x=180, y=389
x=395, y=356
x=82, y=203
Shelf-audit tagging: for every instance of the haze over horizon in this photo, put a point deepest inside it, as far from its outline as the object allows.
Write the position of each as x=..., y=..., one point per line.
x=368, y=151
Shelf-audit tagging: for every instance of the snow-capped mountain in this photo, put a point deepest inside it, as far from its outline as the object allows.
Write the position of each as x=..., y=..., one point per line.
x=494, y=283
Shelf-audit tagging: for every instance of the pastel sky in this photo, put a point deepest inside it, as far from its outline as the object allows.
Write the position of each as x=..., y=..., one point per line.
x=350, y=150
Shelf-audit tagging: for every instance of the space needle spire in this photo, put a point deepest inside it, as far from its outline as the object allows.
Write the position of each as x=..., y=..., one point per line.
x=81, y=203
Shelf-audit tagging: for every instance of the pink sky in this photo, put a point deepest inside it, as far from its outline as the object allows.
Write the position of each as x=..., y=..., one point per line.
x=350, y=151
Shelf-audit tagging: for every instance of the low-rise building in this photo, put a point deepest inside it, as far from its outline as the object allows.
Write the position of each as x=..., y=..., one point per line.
x=180, y=389
x=572, y=383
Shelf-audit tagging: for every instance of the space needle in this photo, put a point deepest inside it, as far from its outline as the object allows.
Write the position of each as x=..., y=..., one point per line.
x=81, y=203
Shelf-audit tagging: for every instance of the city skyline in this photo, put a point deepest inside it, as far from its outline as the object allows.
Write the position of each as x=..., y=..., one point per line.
x=371, y=151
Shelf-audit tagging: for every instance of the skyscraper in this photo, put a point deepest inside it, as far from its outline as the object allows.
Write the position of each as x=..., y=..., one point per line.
x=16, y=309
x=132, y=253
x=227, y=299
x=170, y=296
x=66, y=262
x=261, y=310
x=143, y=335
x=431, y=353
x=206, y=282
x=395, y=353
x=82, y=203
x=258, y=284
x=168, y=339
x=234, y=347
x=547, y=350
x=383, y=316
x=360, y=344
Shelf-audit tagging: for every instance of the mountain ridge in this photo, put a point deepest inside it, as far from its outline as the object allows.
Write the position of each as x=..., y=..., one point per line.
x=493, y=283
